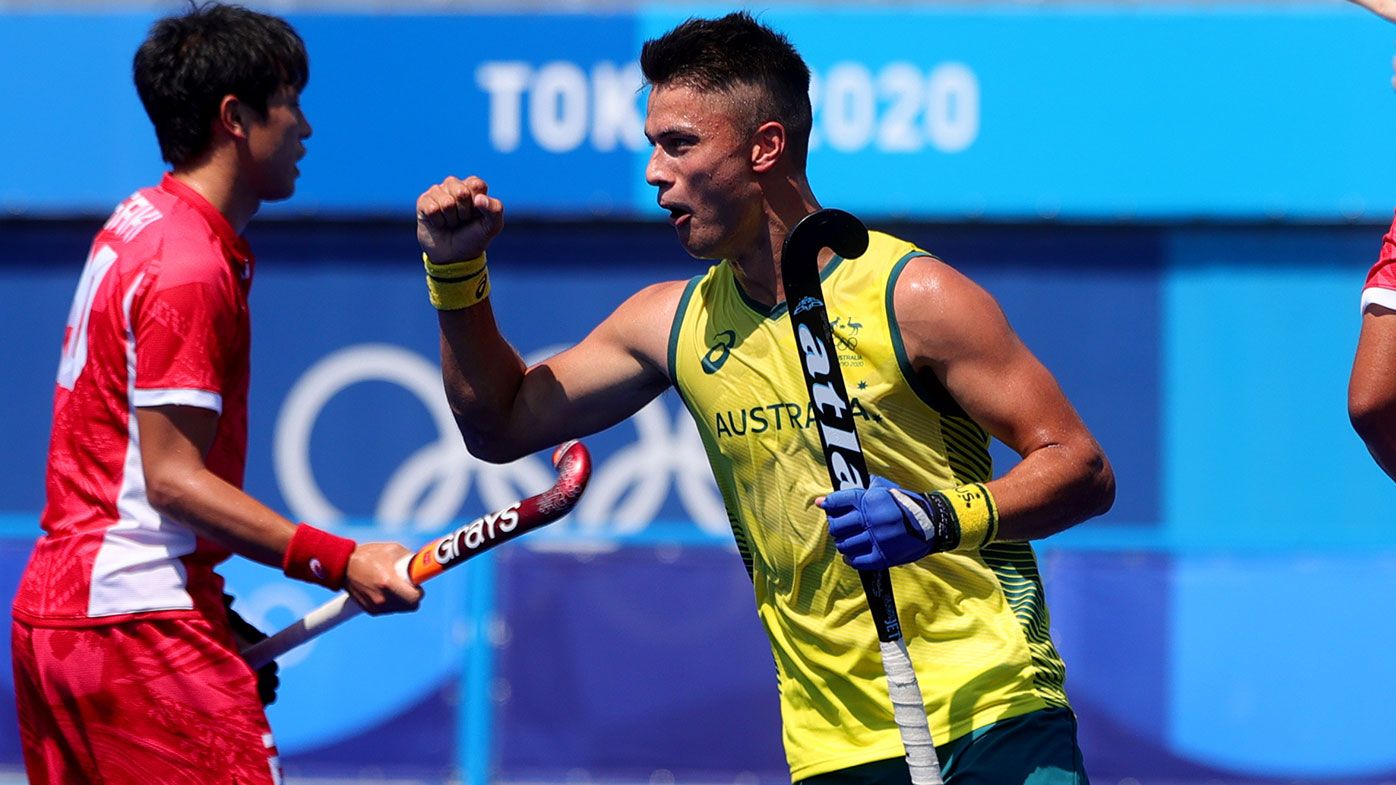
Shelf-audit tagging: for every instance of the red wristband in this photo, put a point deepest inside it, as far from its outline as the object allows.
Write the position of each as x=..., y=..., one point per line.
x=316, y=556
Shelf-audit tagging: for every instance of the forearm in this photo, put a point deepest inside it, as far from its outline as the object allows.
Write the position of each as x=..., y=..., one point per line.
x=484, y=378
x=1053, y=488
x=503, y=408
x=174, y=441
x=218, y=511
x=482, y=374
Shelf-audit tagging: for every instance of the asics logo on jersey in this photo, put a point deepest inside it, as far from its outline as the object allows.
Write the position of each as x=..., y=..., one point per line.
x=718, y=352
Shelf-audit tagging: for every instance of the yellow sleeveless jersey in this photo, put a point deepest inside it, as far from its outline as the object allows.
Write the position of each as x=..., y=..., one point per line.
x=975, y=623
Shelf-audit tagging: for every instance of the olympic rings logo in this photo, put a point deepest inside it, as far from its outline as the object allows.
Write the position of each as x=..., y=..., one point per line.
x=429, y=489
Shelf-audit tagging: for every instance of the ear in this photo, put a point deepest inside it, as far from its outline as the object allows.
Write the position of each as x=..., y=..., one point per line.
x=232, y=116
x=767, y=146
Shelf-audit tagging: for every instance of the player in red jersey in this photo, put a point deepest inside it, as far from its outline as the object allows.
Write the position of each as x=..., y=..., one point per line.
x=126, y=658
x=1372, y=388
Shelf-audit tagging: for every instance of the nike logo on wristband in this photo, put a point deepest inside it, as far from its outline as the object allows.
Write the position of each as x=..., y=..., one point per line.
x=317, y=568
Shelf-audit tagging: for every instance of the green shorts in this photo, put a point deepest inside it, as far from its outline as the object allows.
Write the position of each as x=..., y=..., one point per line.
x=1038, y=748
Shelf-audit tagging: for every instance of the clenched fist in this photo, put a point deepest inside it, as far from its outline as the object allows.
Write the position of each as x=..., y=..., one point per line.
x=457, y=219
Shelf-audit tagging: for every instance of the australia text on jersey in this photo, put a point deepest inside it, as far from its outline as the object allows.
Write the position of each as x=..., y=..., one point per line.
x=774, y=417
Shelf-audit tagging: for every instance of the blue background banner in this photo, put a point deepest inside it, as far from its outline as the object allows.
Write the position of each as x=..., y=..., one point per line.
x=982, y=112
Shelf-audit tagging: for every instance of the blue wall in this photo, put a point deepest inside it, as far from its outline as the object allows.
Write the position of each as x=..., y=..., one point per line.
x=977, y=111
x=1222, y=623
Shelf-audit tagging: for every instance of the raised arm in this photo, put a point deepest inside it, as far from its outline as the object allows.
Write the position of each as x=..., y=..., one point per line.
x=955, y=330
x=505, y=409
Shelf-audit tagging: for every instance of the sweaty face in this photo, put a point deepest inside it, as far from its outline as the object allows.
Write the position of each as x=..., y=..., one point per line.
x=274, y=145
x=701, y=164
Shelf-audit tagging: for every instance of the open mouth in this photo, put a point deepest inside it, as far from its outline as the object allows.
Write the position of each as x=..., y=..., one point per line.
x=678, y=215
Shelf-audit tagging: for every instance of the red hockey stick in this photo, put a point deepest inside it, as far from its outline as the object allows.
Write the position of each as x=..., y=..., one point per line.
x=573, y=464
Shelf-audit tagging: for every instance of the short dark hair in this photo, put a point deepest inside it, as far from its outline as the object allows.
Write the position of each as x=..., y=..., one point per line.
x=190, y=61
x=730, y=53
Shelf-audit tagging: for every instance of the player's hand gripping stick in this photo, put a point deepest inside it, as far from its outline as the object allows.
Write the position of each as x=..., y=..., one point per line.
x=843, y=455
x=573, y=464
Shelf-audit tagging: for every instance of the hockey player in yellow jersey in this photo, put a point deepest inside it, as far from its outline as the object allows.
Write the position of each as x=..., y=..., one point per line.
x=932, y=366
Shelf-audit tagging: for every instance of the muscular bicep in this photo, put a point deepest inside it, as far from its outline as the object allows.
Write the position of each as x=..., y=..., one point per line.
x=594, y=384
x=606, y=377
x=955, y=331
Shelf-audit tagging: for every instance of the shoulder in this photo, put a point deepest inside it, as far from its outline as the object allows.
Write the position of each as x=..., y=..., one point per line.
x=653, y=306
x=941, y=312
x=642, y=324
x=166, y=243
x=190, y=251
x=663, y=296
x=1380, y=286
x=924, y=280
x=1379, y=289
x=891, y=249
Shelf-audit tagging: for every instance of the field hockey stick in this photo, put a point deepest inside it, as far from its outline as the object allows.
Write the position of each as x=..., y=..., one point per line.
x=843, y=454
x=573, y=464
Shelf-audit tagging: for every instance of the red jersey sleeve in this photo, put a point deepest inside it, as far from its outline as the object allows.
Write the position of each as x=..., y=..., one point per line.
x=184, y=320
x=1380, y=288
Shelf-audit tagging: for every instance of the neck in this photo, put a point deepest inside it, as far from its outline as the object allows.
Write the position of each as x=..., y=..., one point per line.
x=216, y=178
x=787, y=200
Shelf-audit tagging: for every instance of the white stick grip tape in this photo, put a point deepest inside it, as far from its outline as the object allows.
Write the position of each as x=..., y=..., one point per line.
x=910, y=713
x=339, y=609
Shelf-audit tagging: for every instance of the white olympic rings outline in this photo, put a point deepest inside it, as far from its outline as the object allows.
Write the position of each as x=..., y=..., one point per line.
x=626, y=493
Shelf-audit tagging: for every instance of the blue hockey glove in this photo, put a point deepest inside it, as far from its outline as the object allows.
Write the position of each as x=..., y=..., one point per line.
x=887, y=525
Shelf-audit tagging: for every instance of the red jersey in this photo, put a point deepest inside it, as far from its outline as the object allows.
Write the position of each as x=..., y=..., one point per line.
x=1381, y=279
x=160, y=317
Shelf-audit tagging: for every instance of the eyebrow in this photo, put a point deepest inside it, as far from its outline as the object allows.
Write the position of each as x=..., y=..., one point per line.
x=672, y=131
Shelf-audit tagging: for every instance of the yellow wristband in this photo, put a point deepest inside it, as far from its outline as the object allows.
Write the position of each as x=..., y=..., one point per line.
x=457, y=285
x=976, y=513
x=453, y=269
